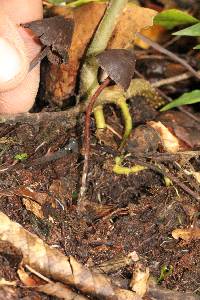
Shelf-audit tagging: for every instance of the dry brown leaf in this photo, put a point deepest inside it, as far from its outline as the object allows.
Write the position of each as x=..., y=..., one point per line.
x=34, y=207
x=157, y=292
x=188, y=234
x=59, y=290
x=53, y=264
x=25, y=278
x=51, y=288
x=154, y=33
x=184, y=127
x=61, y=80
x=28, y=193
x=3, y=281
x=34, y=201
x=196, y=176
x=133, y=20
x=169, y=142
x=139, y=281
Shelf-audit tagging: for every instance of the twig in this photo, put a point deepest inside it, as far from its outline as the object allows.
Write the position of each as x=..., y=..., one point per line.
x=173, y=79
x=86, y=142
x=186, y=155
x=38, y=274
x=173, y=56
x=157, y=292
x=69, y=115
x=172, y=41
x=114, y=131
x=173, y=178
x=46, y=159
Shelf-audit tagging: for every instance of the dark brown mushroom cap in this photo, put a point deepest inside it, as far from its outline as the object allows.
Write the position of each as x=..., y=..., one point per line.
x=119, y=64
x=55, y=32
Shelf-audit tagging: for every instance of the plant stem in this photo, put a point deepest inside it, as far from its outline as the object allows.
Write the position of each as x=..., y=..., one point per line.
x=86, y=143
x=120, y=170
x=106, y=27
x=89, y=81
x=99, y=117
x=78, y=3
x=127, y=119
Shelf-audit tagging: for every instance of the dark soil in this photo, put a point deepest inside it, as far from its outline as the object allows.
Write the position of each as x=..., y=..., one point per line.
x=122, y=213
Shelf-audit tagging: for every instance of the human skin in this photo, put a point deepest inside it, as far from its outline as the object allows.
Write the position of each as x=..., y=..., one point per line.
x=18, y=46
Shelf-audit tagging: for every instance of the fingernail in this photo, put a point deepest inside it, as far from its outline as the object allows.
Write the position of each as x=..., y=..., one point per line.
x=10, y=61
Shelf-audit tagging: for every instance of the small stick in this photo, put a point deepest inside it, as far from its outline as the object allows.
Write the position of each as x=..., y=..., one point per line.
x=86, y=142
x=69, y=115
x=173, y=178
x=114, y=131
x=173, y=79
x=173, y=56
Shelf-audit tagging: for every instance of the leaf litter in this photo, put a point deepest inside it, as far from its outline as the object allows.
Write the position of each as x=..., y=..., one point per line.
x=123, y=213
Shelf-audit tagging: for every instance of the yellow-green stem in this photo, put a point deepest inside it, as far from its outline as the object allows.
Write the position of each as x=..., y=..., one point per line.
x=120, y=170
x=99, y=117
x=127, y=119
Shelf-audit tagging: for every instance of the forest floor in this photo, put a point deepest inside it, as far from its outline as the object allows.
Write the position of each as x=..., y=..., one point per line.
x=123, y=214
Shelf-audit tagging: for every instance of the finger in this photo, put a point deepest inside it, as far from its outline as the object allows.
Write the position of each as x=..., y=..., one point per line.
x=23, y=89
x=13, y=55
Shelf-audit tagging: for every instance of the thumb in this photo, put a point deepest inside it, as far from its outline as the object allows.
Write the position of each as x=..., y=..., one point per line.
x=18, y=87
x=14, y=62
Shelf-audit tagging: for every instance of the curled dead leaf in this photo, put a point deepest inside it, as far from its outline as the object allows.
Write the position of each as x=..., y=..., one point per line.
x=26, y=278
x=133, y=20
x=170, y=143
x=34, y=207
x=3, y=281
x=184, y=128
x=187, y=234
x=139, y=281
x=59, y=290
x=51, y=288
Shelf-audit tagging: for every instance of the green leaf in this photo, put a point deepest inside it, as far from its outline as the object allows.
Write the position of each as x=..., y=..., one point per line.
x=186, y=98
x=165, y=272
x=174, y=17
x=197, y=47
x=21, y=156
x=56, y=1
x=190, y=31
x=81, y=2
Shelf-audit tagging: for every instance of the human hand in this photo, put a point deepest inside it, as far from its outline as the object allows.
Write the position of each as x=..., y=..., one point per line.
x=18, y=87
